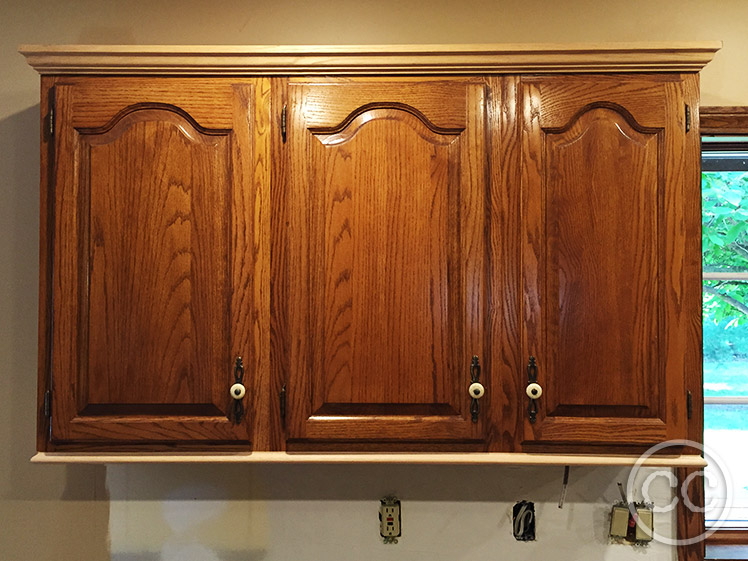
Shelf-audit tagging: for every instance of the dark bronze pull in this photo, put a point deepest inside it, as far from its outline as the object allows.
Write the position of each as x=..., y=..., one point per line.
x=476, y=389
x=533, y=390
x=238, y=390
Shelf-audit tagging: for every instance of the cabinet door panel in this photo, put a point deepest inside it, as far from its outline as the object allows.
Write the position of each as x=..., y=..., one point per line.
x=601, y=258
x=152, y=255
x=387, y=265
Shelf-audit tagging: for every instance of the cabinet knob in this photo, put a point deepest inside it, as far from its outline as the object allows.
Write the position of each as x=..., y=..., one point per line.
x=238, y=391
x=534, y=391
x=476, y=390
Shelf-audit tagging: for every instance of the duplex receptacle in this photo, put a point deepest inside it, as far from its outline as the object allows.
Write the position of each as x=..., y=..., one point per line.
x=390, y=526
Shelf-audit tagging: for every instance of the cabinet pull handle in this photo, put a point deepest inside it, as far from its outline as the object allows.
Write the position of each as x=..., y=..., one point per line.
x=238, y=391
x=476, y=389
x=533, y=390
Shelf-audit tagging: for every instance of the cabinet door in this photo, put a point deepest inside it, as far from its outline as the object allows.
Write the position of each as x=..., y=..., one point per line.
x=386, y=268
x=152, y=260
x=605, y=271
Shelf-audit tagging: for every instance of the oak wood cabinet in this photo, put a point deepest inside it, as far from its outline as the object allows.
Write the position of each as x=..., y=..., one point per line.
x=151, y=239
x=610, y=263
x=385, y=252
x=387, y=267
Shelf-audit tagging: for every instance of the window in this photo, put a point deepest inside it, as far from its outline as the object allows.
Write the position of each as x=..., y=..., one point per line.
x=725, y=321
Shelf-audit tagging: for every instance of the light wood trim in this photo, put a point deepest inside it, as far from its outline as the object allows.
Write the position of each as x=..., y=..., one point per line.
x=368, y=59
x=478, y=458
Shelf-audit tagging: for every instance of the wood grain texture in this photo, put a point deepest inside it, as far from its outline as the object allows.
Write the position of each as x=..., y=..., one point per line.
x=723, y=119
x=507, y=415
x=387, y=259
x=154, y=263
x=46, y=252
x=338, y=60
x=603, y=258
x=690, y=524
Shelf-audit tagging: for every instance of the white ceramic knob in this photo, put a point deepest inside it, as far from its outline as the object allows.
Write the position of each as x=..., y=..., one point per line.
x=237, y=391
x=534, y=391
x=476, y=390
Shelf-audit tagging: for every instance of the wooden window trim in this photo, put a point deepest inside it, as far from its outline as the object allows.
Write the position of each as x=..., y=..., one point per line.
x=726, y=121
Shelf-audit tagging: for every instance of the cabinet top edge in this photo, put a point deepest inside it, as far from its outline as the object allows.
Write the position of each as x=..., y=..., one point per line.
x=370, y=59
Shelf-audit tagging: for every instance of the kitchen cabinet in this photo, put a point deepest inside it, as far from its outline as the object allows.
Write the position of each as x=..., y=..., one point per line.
x=384, y=237
x=150, y=239
x=610, y=261
x=387, y=268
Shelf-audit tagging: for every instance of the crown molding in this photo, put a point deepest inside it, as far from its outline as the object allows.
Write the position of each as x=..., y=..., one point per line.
x=369, y=59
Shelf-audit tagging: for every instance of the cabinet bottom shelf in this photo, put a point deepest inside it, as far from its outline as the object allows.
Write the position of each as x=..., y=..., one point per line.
x=478, y=458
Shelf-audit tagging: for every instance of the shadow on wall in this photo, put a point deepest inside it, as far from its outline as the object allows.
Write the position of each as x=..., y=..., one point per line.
x=47, y=512
x=315, y=512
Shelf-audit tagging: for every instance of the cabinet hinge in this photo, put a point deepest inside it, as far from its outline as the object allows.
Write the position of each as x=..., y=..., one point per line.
x=689, y=404
x=51, y=121
x=48, y=404
x=283, y=123
x=688, y=118
x=282, y=402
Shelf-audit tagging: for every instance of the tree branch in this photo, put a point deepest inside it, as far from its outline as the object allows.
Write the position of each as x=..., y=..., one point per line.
x=739, y=249
x=739, y=306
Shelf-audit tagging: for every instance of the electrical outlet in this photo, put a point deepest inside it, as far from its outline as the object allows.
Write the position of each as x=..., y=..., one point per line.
x=390, y=526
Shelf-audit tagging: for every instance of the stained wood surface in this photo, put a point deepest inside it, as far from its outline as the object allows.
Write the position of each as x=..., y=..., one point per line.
x=387, y=271
x=154, y=260
x=603, y=258
x=404, y=225
x=724, y=120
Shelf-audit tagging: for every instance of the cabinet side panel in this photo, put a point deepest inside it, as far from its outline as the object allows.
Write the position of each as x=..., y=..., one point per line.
x=46, y=251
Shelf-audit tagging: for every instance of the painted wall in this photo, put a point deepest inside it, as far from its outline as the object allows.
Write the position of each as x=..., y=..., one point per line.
x=229, y=512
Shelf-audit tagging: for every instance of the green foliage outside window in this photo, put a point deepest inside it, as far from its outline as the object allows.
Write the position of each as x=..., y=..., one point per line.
x=725, y=250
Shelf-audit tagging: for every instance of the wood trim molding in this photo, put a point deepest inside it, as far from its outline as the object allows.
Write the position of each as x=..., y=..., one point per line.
x=369, y=59
x=478, y=458
x=723, y=120
x=728, y=537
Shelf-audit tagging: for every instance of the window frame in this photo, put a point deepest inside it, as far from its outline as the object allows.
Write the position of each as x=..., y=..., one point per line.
x=724, y=121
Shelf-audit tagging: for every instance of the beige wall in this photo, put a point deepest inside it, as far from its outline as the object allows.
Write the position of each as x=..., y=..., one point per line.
x=79, y=513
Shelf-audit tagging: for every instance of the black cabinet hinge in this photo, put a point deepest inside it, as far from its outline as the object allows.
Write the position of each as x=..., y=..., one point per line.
x=51, y=121
x=282, y=402
x=47, y=404
x=283, y=123
x=688, y=118
x=689, y=404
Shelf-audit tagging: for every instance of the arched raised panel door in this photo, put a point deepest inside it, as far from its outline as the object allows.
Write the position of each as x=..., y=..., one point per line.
x=152, y=262
x=603, y=259
x=386, y=266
